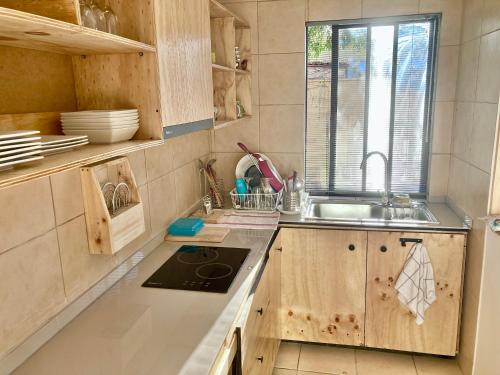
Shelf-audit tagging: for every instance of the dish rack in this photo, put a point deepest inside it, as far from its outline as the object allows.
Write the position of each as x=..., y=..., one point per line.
x=257, y=202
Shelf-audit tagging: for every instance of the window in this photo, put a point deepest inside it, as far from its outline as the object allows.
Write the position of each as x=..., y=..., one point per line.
x=369, y=88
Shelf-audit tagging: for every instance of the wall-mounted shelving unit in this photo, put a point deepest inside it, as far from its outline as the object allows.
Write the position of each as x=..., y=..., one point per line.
x=230, y=84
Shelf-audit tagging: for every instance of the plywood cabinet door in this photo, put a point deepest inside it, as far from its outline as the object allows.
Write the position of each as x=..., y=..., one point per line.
x=389, y=324
x=323, y=276
x=183, y=49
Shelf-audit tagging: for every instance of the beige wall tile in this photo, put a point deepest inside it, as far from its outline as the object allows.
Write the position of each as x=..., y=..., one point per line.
x=325, y=10
x=281, y=79
x=187, y=182
x=67, y=195
x=27, y=211
x=255, y=81
x=162, y=203
x=226, y=166
x=189, y=147
x=474, y=259
x=457, y=182
x=248, y=11
x=286, y=163
x=428, y=365
x=159, y=160
x=282, y=26
x=488, y=81
x=442, y=127
x=373, y=362
x=490, y=16
x=284, y=371
x=246, y=131
x=81, y=270
x=447, y=73
x=467, y=74
x=328, y=359
x=288, y=355
x=438, y=181
x=449, y=33
x=282, y=128
x=483, y=135
x=471, y=24
x=476, y=197
x=31, y=290
x=382, y=8
x=138, y=164
x=462, y=130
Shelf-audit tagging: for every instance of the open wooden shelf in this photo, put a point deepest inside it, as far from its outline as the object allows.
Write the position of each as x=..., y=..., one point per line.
x=26, y=30
x=217, y=10
x=226, y=123
x=60, y=162
x=227, y=69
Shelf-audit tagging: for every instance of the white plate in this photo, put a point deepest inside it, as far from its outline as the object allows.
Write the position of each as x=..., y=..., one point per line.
x=101, y=126
x=18, y=156
x=19, y=151
x=245, y=163
x=47, y=147
x=19, y=146
x=10, y=164
x=19, y=141
x=100, y=121
x=11, y=134
x=115, y=128
x=57, y=150
x=56, y=139
x=105, y=136
x=104, y=113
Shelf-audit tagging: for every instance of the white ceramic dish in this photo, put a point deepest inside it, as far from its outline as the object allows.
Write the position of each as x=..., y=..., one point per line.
x=12, y=134
x=19, y=155
x=104, y=113
x=47, y=147
x=19, y=151
x=57, y=150
x=19, y=146
x=105, y=136
x=101, y=122
x=19, y=141
x=100, y=126
x=245, y=163
x=12, y=163
x=56, y=139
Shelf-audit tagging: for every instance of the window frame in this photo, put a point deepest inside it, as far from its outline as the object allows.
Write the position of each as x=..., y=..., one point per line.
x=430, y=96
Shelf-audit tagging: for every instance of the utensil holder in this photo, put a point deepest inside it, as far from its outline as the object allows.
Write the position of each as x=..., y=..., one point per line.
x=292, y=201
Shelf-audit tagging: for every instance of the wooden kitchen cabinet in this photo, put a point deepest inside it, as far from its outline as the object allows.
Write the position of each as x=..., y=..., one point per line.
x=261, y=333
x=323, y=275
x=389, y=324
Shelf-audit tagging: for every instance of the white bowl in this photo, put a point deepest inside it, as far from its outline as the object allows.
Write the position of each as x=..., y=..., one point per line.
x=105, y=136
x=104, y=113
x=97, y=127
x=104, y=121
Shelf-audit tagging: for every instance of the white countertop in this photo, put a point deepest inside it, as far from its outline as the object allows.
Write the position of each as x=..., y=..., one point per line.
x=136, y=330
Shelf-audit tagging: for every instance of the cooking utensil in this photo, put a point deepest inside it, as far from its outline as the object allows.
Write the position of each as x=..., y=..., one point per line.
x=267, y=169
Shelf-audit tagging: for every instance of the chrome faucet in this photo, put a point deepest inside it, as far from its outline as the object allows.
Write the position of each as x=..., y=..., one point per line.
x=385, y=194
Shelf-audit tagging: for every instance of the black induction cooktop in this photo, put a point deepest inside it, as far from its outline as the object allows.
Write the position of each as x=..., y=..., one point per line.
x=199, y=268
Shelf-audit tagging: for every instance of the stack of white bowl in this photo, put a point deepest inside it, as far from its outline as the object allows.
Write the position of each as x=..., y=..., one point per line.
x=102, y=126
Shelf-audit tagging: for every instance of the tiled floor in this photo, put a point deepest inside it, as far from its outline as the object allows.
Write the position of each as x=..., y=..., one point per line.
x=310, y=359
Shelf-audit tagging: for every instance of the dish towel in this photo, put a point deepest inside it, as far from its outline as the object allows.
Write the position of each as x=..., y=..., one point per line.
x=415, y=284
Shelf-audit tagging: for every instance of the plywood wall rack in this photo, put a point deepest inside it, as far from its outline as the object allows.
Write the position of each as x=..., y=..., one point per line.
x=230, y=84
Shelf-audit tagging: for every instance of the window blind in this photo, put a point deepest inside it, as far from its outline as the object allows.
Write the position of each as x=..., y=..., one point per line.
x=369, y=88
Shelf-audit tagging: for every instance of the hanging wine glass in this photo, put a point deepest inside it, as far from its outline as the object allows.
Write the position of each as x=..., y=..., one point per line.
x=111, y=19
x=99, y=16
x=88, y=18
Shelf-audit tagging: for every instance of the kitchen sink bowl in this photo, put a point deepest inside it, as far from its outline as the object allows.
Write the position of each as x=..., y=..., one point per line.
x=369, y=212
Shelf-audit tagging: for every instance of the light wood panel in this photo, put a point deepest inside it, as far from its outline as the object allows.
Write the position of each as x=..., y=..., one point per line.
x=244, y=92
x=323, y=285
x=183, y=42
x=25, y=30
x=217, y=10
x=45, y=122
x=494, y=197
x=121, y=82
x=223, y=41
x=390, y=325
x=221, y=124
x=224, y=95
x=62, y=10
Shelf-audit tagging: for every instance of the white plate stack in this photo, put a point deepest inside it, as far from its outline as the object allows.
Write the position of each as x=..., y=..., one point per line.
x=54, y=144
x=103, y=126
x=18, y=147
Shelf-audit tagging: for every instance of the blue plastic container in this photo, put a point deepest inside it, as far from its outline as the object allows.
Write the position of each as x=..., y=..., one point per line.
x=185, y=227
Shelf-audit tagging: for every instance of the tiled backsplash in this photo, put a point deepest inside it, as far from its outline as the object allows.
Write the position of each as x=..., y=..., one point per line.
x=45, y=263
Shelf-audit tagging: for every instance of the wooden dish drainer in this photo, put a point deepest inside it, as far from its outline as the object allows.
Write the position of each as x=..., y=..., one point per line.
x=107, y=232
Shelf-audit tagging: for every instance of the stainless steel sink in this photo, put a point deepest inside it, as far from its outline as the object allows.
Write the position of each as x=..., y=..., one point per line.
x=369, y=212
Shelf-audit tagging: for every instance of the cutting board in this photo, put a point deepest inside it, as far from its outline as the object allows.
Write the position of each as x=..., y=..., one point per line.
x=206, y=234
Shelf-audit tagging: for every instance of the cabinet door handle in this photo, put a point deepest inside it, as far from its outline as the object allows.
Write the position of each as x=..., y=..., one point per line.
x=260, y=311
x=383, y=248
x=260, y=359
x=352, y=247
